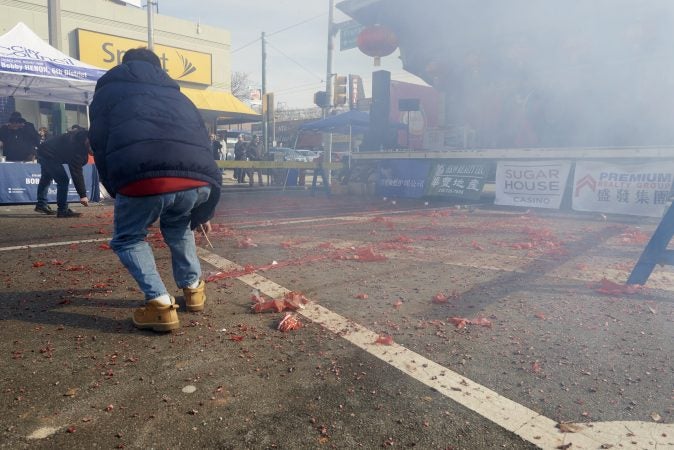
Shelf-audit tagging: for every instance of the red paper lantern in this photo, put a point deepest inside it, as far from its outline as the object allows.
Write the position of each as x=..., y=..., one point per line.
x=377, y=41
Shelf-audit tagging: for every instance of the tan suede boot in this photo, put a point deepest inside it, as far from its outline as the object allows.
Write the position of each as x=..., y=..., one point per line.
x=196, y=297
x=157, y=317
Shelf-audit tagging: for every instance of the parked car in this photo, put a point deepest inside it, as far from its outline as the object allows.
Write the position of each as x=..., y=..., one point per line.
x=287, y=154
x=309, y=155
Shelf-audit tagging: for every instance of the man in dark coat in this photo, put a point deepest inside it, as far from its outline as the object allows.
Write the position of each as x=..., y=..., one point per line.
x=71, y=148
x=19, y=138
x=240, y=155
x=153, y=155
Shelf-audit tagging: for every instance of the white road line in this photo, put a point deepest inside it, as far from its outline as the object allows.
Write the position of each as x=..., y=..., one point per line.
x=518, y=419
x=51, y=244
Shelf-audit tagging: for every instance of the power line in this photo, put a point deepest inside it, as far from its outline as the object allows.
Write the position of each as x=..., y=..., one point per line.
x=279, y=31
x=297, y=24
x=295, y=61
x=244, y=46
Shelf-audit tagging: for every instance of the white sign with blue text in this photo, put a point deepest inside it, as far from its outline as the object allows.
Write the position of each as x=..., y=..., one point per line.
x=635, y=189
x=533, y=184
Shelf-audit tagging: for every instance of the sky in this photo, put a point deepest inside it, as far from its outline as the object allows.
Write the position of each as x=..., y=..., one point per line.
x=296, y=44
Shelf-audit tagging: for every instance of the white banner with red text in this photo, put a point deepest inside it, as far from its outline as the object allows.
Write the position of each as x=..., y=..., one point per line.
x=634, y=189
x=534, y=184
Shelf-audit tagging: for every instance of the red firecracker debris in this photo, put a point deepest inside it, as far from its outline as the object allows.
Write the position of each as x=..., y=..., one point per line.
x=440, y=298
x=38, y=264
x=291, y=301
x=609, y=287
x=56, y=262
x=289, y=323
x=236, y=338
x=398, y=303
x=384, y=339
x=361, y=296
x=540, y=316
x=477, y=246
x=104, y=246
x=246, y=243
x=634, y=237
x=536, y=367
x=461, y=322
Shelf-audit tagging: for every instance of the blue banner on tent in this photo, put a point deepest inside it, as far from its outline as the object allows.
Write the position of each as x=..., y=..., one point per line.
x=404, y=179
x=67, y=69
x=18, y=184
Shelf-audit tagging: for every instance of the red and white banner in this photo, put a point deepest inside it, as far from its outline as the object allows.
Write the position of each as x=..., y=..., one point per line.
x=635, y=189
x=535, y=184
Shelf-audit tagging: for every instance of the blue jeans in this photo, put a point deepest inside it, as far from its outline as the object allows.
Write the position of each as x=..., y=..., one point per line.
x=52, y=170
x=133, y=215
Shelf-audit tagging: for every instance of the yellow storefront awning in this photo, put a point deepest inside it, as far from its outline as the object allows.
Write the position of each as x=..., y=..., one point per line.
x=227, y=108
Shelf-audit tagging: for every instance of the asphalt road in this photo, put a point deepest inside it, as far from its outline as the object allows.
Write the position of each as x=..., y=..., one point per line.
x=427, y=323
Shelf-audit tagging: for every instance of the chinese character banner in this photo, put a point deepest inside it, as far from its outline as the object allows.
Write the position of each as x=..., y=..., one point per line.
x=462, y=180
x=534, y=184
x=634, y=189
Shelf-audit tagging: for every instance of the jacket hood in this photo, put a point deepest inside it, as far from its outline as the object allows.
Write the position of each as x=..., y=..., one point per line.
x=137, y=72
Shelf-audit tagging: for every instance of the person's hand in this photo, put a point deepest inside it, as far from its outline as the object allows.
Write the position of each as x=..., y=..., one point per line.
x=206, y=227
x=84, y=201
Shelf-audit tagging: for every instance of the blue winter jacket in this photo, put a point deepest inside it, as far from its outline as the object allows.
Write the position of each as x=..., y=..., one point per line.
x=142, y=126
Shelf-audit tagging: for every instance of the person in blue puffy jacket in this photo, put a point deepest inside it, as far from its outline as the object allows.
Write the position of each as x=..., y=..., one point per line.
x=153, y=155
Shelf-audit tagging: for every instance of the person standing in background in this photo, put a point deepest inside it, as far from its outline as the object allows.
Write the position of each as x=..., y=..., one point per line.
x=254, y=153
x=44, y=134
x=240, y=155
x=71, y=148
x=216, y=147
x=19, y=139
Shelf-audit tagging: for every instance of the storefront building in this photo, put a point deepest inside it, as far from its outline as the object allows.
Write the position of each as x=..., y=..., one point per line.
x=98, y=32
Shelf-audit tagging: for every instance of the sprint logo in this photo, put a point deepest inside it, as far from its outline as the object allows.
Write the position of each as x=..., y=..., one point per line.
x=188, y=67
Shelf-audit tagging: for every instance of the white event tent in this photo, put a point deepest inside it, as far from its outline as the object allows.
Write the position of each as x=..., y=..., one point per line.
x=32, y=69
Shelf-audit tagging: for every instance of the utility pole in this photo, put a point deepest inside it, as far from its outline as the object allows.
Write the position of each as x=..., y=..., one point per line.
x=327, y=141
x=54, y=24
x=265, y=123
x=150, y=23
x=54, y=19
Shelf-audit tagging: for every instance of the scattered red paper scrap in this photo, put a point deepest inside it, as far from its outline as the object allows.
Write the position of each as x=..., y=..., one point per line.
x=384, y=339
x=398, y=303
x=291, y=301
x=536, y=367
x=363, y=254
x=361, y=296
x=104, y=246
x=56, y=262
x=38, y=264
x=540, y=316
x=634, y=237
x=440, y=298
x=289, y=323
x=236, y=338
x=246, y=243
x=461, y=322
x=609, y=287
x=477, y=246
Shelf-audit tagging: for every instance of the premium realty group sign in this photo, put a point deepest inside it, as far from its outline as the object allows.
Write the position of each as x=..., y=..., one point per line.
x=635, y=189
x=533, y=184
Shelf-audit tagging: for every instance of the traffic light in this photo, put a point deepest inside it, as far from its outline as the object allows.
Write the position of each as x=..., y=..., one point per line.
x=356, y=91
x=268, y=106
x=339, y=97
x=321, y=99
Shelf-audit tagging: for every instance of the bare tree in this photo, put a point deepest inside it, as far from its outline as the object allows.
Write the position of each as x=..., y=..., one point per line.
x=240, y=85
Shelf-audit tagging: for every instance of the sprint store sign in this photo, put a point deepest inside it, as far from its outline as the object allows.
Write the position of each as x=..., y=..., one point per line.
x=106, y=51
